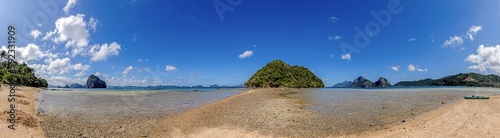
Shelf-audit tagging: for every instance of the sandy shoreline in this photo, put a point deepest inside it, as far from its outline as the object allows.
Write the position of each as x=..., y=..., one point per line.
x=27, y=125
x=254, y=113
x=465, y=118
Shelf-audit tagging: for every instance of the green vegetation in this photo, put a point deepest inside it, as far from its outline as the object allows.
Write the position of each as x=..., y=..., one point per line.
x=23, y=75
x=462, y=79
x=279, y=74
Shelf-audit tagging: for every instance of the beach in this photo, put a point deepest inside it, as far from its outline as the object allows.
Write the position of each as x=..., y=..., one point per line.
x=269, y=113
x=27, y=125
x=466, y=118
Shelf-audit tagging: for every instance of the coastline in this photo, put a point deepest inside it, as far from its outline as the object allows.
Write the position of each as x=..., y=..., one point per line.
x=28, y=122
x=465, y=118
x=258, y=113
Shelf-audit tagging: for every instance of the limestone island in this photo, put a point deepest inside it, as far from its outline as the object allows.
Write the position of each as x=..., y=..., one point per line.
x=278, y=74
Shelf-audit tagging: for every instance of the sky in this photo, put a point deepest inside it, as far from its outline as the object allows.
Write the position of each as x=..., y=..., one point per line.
x=205, y=42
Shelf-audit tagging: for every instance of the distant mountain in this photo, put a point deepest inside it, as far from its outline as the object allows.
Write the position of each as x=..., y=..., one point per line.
x=382, y=82
x=345, y=84
x=462, y=79
x=76, y=85
x=361, y=82
x=279, y=74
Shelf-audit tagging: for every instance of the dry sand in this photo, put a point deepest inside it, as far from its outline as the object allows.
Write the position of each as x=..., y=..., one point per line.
x=27, y=125
x=466, y=118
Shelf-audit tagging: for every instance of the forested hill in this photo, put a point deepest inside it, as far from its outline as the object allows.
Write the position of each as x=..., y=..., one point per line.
x=462, y=79
x=23, y=75
x=279, y=74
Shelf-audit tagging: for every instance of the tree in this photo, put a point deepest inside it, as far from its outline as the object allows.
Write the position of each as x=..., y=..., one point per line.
x=3, y=54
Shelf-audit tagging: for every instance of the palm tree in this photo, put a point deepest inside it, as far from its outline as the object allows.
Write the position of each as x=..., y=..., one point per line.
x=3, y=54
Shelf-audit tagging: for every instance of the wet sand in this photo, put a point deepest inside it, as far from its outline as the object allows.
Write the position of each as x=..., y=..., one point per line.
x=290, y=113
x=27, y=126
x=282, y=113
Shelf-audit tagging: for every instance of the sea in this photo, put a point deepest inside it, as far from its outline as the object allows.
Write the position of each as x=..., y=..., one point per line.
x=344, y=102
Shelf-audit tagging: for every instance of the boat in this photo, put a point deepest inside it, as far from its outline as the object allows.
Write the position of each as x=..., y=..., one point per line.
x=476, y=97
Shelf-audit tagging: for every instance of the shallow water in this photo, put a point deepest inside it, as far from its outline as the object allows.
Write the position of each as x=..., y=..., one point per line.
x=125, y=102
x=351, y=111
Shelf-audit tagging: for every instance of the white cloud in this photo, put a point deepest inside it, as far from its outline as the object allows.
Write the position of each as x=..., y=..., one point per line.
x=71, y=30
x=334, y=38
x=246, y=54
x=59, y=66
x=412, y=39
x=453, y=41
x=97, y=74
x=412, y=68
x=346, y=56
x=128, y=69
x=79, y=74
x=395, y=68
x=31, y=52
x=333, y=19
x=102, y=52
x=35, y=33
x=170, y=68
x=486, y=59
x=69, y=5
x=142, y=60
x=93, y=23
x=473, y=31
x=61, y=80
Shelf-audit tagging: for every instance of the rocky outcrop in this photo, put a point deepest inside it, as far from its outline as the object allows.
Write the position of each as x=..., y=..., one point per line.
x=94, y=82
x=345, y=84
x=361, y=82
x=382, y=82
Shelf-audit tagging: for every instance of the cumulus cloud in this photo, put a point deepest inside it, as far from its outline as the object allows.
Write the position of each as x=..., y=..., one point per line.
x=333, y=19
x=473, y=31
x=31, y=52
x=453, y=41
x=412, y=39
x=62, y=80
x=72, y=30
x=35, y=33
x=346, y=56
x=395, y=68
x=246, y=54
x=334, y=38
x=59, y=66
x=412, y=68
x=125, y=72
x=486, y=59
x=102, y=52
x=69, y=5
x=170, y=68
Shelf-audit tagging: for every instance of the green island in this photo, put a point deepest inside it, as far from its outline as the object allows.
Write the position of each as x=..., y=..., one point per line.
x=23, y=75
x=461, y=79
x=277, y=73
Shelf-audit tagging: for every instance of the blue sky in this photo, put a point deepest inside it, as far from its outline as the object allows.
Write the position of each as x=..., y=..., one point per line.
x=179, y=42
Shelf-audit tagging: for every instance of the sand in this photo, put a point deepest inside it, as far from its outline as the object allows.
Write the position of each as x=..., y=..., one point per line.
x=466, y=118
x=269, y=113
x=28, y=125
x=254, y=113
